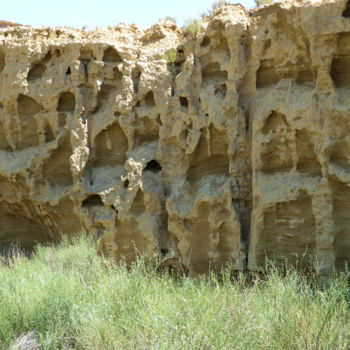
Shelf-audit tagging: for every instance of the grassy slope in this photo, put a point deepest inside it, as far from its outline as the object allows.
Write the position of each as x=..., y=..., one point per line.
x=72, y=299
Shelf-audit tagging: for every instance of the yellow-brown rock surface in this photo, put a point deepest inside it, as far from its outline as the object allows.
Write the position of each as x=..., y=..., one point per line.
x=242, y=153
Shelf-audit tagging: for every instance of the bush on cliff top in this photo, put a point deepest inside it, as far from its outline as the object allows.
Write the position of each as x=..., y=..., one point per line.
x=67, y=297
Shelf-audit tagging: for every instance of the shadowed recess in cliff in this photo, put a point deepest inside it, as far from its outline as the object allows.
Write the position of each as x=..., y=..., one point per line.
x=19, y=228
x=148, y=100
x=103, y=97
x=66, y=102
x=210, y=157
x=27, y=107
x=268, y=75
x=287, y=231
x=57, y=169
x=153, y=166
x=146, y=131
x=213, y=71
x=341, y=207
x=111, y=55
x=26, y=134
x=339, y=154
x=307, y=158
x=346, y=12
x=110, y=146
x=213, y=237
x=276, y=152
x=36, y=72
x=340, y=69
x=93, y=200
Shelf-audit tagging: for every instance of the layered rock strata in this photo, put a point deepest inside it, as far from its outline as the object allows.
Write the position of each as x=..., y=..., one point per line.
x=235, y=151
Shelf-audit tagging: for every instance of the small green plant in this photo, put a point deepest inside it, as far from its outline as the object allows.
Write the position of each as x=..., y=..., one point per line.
x=192, y=27
x=171, y=57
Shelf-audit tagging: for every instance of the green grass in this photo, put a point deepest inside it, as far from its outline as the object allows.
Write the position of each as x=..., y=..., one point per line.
x=70, y=298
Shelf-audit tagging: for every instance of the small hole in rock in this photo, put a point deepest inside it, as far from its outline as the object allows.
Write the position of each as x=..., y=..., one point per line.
x=205, y=42
x=68, y=71
x=126, y=183
x=66, y=102
x=92, y=201
x=149, y=99
x=36, y=72
x=183, y=101
x=164, y=251
x=346, y=12
x=112, y=55
x=153, y=166
x=172, y=92
x=180, y=49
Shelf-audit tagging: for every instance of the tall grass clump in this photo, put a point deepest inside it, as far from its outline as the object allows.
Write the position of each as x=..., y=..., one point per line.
x=67, y=297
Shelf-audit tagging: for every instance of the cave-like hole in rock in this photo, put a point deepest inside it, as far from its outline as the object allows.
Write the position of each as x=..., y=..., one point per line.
x=36, y=72
x=66, y=102
x=68, y=71
x=153, y=166
x=266, y=75
x=93, y=200
x=27, y=106
x=111, y=55
x=205, y=42
x=340, y=71
x=346, y=12
x=213, y=71
x=164, y=251
x=184, y=101
x=136, y=76
x=149, y=99
x=126, y=183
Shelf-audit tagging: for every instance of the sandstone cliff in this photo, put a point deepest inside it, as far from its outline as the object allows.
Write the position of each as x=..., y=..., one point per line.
x=241, y=151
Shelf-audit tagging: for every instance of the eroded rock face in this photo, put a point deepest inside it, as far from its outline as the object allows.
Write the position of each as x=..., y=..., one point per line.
x=241, y=155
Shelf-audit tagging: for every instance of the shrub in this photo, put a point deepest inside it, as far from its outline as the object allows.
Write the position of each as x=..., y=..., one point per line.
x=171, y=57
x=192, y=27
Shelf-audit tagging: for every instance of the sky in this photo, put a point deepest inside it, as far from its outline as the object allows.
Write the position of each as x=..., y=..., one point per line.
x=103, y=13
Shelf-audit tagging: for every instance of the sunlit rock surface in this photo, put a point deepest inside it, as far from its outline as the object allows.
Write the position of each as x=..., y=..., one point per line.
x=238, y=152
